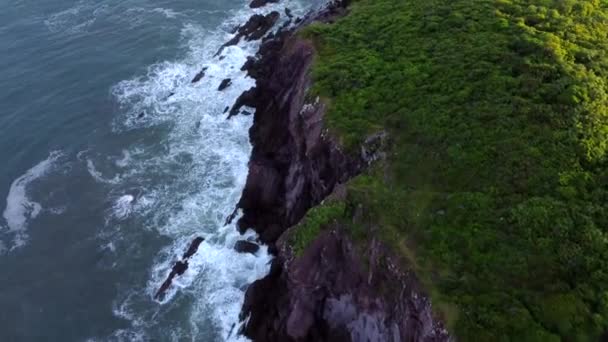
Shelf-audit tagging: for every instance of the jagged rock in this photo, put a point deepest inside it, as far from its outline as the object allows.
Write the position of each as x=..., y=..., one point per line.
x=226, y=109
x=293, y=166
x=247, y=98
x=141, y=115
x=244, y=246
x=248, y=64
x=199, y=76
x=255, y=28
x=225, y=84
x=179, y=267
x=330, y=292
x=261, y=3
x=288, y=12
x=231, y=216
x=193, y=247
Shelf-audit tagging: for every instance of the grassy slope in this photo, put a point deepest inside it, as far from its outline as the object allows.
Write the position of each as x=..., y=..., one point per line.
x=496, y=185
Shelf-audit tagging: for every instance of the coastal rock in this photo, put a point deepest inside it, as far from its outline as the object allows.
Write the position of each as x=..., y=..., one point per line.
x=193, y=247
x=293, y=164
x=261, y=3
x=179, y=267
x=224, y=84
x=247, y=98
x=199, y=75
x=331, y=292
x=255, y=28
x=244, y=246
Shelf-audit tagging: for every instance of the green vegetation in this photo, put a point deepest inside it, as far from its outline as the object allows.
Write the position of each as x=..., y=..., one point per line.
x=311, y=225
x=496, y=183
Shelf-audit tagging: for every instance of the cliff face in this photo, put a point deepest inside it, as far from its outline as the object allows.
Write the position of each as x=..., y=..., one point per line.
x=329, y=292
x=294, y=165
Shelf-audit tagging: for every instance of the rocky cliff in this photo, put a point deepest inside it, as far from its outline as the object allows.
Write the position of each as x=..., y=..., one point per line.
x=335, y=290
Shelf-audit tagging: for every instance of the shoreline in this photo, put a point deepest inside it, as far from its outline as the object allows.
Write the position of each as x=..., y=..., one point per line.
x=295, y=166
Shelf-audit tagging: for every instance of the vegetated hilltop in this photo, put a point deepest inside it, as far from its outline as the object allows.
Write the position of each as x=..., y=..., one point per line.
x=495, y=184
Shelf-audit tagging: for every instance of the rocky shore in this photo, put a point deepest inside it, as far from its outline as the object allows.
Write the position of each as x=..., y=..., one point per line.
x=330, y=292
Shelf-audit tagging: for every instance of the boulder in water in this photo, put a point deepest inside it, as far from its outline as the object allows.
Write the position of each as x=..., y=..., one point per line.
x=225, y=84
x=244, y=246
x=199, y=76
x=179, y=268
x=261, y=3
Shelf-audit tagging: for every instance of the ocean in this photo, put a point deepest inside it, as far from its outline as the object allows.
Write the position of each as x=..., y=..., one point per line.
x=113, y=161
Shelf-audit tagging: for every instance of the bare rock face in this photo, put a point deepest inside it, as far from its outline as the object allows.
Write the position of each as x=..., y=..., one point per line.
x=179, y=267
x=331, y=293
x=244, y=246
x=294, y=164
x=255, y=28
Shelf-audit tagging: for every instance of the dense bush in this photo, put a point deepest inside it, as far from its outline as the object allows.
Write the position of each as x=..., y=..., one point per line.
x=496, y=186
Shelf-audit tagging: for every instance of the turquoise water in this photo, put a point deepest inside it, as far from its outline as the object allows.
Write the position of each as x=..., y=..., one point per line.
x=98, y=201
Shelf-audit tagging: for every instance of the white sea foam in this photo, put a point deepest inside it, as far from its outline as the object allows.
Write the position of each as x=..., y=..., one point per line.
x=123, y=206
x=204, y=160
x=167, y=12
x=77, y=18
x=99, y=176
x=19, y=207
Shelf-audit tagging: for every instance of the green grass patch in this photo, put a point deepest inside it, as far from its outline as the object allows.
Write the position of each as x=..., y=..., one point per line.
x=313, y=223
x=496, y=183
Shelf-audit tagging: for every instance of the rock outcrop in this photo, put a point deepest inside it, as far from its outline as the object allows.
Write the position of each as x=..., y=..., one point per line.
x=333, y=293
x=294, y=162
x=179, y=267
x=330, y=292
x=244, y=246
x=255, y=28
x=261, y=3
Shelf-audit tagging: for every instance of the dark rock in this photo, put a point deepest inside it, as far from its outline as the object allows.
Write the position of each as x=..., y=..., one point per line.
x=261, y=3
x=247, y=98
x=141, y=115
x=199, y=76
x=293, y=165
x=179, y=267
x=224, y=84
x=226, y=109
x=193, y=247
x=248, y=64
x=255, y=28
x=330, y=293
x=244, y=246
x=222, y=58
x=231, y=217
x=288, y=12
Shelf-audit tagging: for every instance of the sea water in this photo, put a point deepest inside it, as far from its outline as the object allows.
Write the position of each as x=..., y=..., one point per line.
x=112, y=161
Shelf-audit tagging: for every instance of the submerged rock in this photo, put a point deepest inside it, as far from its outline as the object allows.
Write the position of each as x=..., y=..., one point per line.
x=255, y=28
x=199, y=76
x=261, y=3
x=193, y=247
x=179, y=267
x=244, y=246
x=225, y=84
